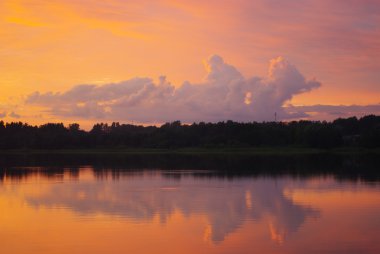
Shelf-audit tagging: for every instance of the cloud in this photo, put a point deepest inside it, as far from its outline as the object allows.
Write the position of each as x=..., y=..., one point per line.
x=14, y=115
x=330, y=112
x=3, y=114
x=224, y=94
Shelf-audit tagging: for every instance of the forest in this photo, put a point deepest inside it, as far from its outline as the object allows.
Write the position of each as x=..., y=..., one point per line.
x=348, y=132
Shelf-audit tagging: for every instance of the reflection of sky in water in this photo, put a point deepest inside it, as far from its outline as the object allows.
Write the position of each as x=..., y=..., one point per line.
x=144, y=196
x=140, y=197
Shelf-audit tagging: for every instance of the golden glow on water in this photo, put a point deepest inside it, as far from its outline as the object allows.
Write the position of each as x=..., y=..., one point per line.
x=276, y=236
x=248, y=200
x=148, y=212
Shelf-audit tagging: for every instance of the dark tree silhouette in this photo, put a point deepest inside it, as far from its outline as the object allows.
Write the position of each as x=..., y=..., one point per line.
x=363, y=132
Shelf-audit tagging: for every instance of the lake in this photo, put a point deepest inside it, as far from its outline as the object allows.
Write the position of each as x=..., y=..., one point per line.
x=189, y=204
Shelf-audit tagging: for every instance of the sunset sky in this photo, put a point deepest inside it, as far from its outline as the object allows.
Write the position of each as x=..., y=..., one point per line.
x=151, y=61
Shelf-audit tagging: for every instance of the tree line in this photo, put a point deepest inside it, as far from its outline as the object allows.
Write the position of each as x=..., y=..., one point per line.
x=362, y=132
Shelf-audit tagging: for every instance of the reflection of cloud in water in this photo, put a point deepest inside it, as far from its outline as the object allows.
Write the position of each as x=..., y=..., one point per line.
x=227, y=204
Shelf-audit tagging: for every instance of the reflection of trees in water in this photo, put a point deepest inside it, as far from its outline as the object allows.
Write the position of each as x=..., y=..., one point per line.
x=342, y=167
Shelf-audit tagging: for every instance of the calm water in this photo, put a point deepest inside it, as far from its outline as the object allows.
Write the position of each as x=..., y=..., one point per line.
x=189, y=205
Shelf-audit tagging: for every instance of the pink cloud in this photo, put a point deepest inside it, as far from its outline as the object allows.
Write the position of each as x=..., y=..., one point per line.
x=225, y=94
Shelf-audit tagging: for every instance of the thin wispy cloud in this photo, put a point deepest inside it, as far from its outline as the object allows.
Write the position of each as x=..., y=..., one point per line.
x=14, y=115
x=329, y=112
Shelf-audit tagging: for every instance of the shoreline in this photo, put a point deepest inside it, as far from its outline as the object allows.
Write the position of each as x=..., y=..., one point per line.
x=196, y=151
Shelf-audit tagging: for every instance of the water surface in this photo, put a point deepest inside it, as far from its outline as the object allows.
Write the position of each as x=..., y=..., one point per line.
x=151, y=206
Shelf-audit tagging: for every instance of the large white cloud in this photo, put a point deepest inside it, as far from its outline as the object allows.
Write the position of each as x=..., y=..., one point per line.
x=225, y=94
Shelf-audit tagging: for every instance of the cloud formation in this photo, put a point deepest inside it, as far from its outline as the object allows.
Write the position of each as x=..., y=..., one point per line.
x=14, y=115
x=11, y=114
x=224, y=95
x=330, y=112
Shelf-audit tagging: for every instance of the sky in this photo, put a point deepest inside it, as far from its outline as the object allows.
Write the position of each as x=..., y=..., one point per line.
x=153, y=61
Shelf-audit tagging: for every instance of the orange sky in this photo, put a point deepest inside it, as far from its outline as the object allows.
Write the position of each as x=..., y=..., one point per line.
x=55, y=45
